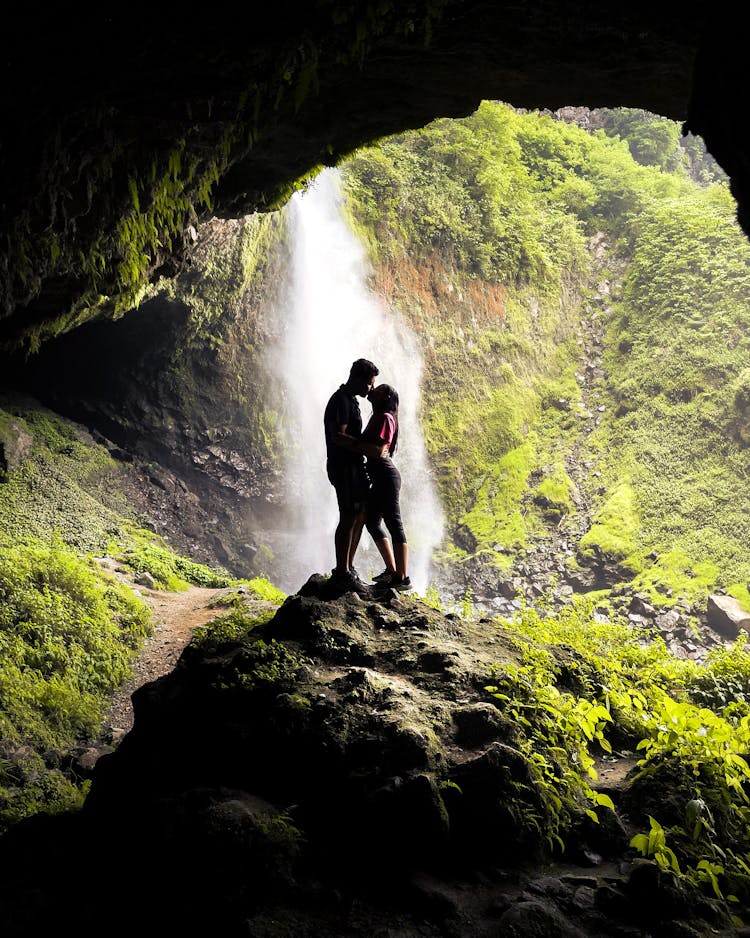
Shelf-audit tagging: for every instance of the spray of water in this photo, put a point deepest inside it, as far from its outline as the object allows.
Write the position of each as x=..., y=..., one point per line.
x=331, y=319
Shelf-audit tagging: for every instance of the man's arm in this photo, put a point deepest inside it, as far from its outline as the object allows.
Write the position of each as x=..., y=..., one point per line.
x=344, y=440
x=374, y=450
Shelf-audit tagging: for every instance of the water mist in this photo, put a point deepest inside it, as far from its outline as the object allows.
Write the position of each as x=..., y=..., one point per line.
x=330, y=318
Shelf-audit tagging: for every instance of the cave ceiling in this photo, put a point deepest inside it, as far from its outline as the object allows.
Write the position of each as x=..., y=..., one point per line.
x=122, y=130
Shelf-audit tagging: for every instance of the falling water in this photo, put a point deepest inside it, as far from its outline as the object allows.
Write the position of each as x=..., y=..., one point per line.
x=331, y=319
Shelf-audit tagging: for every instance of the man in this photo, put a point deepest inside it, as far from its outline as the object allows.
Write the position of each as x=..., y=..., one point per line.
x=345, y=466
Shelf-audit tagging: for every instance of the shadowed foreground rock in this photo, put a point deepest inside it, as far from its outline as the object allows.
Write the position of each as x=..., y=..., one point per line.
x=337, y=771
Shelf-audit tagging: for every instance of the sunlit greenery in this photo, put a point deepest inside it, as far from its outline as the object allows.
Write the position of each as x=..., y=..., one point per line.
x=479, y=230
x=68, y=632
x=585, y=686
x=69, y=629
x=143, y=552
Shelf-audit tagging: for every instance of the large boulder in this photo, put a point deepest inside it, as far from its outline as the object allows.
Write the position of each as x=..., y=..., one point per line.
x=15, y=447
x=727, y=616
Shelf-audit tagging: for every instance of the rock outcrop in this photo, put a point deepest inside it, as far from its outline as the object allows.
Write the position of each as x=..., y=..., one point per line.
x=338, y=770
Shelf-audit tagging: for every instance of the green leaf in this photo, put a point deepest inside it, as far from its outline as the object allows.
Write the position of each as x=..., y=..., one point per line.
x=604, y=800
x=640, y=843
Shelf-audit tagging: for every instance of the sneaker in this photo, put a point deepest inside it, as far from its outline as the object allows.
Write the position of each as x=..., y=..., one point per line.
x=352, y=570
x=350, y=583
x=394, y=581
x=385, y=575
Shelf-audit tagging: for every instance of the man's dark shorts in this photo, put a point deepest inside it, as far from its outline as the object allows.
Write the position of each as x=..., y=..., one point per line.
x=352, y=485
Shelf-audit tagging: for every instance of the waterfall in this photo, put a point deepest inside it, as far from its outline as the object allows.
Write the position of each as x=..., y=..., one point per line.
x=330, y=318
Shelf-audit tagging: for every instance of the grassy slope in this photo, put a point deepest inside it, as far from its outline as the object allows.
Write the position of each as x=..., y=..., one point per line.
x=489, y=275
x=68, y=629
x=678, y=347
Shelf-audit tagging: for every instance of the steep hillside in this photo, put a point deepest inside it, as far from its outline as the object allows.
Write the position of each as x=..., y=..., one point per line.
x=583, y=319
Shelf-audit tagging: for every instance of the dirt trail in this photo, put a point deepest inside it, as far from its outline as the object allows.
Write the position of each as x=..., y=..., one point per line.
x=175, y=616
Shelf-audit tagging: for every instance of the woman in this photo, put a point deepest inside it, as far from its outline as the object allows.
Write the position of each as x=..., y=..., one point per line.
x=378, y=443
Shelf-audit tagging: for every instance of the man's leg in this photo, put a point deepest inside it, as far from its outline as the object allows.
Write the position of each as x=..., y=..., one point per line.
x=343, y=540
x=356, y=534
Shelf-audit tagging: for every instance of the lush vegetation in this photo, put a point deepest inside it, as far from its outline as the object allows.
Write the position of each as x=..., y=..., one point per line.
x=68, y=632
x=68, y=628
x=658, y=141
x=480, y=229
x=501, y=279
x=676, y=356
x=585, y=688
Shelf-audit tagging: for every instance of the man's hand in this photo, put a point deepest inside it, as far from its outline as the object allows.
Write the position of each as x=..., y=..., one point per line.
x=345, y=441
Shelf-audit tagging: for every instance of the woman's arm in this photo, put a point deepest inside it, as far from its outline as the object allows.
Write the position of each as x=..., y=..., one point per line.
x=373, y=450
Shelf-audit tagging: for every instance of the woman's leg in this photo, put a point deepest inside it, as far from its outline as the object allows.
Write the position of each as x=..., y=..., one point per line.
x=401, y=557
x=391, y=509
x=386, y=552
x=375, y=524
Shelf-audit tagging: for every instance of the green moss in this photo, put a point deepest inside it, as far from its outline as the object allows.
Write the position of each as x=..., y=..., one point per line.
x=142, y=551
x=674, y=572
x=264, y=589
x=615, y=525
x=741, y=593
x=554, y=492
x=562, y=392
x=67, y=484
x=264, y=667
x=496, y=517
x=227, y=630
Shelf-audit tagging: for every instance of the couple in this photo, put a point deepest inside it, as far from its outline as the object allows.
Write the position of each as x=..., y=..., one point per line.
x=367, y=495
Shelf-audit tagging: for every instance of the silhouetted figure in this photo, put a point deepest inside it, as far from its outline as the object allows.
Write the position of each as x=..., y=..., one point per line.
x=345, y=466
x=378, y=442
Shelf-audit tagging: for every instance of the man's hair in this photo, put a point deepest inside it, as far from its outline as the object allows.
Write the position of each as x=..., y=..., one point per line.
x=363, y=368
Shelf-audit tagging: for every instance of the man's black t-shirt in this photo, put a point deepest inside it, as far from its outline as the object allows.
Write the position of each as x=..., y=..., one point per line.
x=342, y=409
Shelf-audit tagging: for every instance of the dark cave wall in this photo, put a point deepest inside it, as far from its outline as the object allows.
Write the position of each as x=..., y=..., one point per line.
x=180, y=391
x=120, y=137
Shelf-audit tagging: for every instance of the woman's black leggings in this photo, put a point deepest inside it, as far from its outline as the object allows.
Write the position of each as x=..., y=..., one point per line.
x=383, y=502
